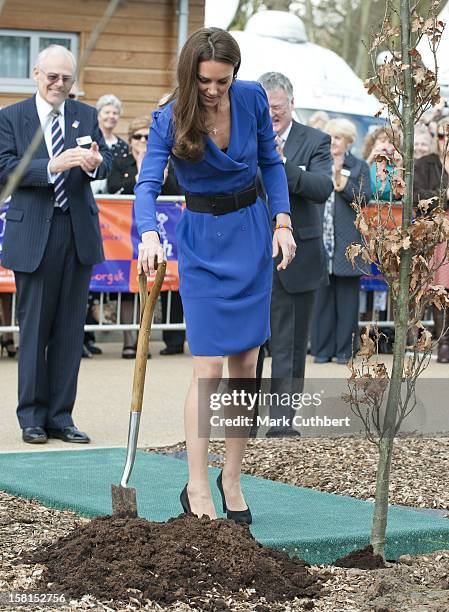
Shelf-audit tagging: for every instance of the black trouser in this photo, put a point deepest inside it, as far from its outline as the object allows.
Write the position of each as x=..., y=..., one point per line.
x=51, y=310
x=290, y=319
x=336, y=318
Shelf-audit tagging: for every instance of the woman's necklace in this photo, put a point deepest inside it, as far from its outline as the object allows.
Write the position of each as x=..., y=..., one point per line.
x=214, y=130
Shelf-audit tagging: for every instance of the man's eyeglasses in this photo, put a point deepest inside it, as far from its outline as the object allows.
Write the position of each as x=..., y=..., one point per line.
x=139, y=136
x=52, y=77
x=279, y=108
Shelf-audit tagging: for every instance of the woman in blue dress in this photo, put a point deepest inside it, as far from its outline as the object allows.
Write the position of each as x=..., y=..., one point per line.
x=218, y=131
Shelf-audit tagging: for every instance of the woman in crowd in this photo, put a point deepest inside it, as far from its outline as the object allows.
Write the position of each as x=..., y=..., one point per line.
x=337, y=307
x=109, y=110
x=217, y=130
x=125, y=171
x=423, y=142
x=126, y=168
x=381, y=142
x=431, y=180
x=318, y=120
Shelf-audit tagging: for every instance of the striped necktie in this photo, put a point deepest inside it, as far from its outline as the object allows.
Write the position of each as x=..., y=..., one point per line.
x=57, y=143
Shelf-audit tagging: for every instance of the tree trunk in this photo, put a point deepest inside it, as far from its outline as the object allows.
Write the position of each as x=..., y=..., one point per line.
x=401, y=313
x=278, y=5
x=362, y=63
x=309, y=20
x=347, y=36
x=379, y=526
x=241, y=16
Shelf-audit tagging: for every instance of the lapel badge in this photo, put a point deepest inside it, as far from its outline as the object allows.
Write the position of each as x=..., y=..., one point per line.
x=75, y=124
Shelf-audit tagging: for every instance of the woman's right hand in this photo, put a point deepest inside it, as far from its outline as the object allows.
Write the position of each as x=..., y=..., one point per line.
x=150, y=251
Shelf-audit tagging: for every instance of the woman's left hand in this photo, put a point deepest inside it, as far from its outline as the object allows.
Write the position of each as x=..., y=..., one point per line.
x=283, y=240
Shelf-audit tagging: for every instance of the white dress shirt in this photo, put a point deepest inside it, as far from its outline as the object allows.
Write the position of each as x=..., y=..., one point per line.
x=44, y=111
x=285, y=133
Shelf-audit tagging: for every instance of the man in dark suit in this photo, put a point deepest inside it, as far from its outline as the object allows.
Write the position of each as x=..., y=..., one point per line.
x=52, y=239
x=307, y=160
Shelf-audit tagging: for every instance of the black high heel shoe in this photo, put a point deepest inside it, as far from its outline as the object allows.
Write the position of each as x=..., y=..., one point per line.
x=239, y=516
x=9, y=346
x=184, y=499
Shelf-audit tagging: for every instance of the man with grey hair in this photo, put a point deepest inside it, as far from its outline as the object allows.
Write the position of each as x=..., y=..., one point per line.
x=307, y=160
x=52, y=239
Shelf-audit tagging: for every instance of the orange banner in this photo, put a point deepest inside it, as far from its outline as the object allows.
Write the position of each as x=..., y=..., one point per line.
x=120, y=242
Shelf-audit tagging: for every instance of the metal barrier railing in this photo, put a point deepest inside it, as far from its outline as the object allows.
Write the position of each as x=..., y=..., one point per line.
x=107, y=310
x=105, y=314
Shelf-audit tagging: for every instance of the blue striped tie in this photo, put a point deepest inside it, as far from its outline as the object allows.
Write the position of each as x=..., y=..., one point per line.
x=57, y=143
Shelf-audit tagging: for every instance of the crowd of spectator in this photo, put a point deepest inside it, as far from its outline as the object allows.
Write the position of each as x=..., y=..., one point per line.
x=337, y=309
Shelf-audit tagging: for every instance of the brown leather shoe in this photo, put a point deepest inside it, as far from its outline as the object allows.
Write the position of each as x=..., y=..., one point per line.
x=443, y=351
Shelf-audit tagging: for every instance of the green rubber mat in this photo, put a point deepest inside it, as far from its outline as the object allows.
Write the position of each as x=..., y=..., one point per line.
x=319, y=527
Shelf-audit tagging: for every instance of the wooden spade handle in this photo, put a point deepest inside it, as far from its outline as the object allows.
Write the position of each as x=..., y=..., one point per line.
x=147, y=305
x=143, y=293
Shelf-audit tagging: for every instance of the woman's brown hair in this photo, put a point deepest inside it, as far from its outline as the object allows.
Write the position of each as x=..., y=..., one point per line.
x=138, y=123
x=393, y=136
x=189, y=116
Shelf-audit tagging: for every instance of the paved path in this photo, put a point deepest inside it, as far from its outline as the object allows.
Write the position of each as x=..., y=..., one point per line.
x=104, y=392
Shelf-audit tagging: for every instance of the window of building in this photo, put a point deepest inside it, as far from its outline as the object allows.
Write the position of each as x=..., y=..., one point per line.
x=18, y=52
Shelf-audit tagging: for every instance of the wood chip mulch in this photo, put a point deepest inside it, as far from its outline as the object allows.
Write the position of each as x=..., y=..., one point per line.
x=347, y=466
x=414, y=583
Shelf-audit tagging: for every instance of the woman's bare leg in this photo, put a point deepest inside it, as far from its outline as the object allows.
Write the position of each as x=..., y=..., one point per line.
x=242, y=365
x=197, y=416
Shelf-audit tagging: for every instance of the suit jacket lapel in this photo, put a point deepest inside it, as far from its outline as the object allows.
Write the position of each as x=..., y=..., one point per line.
x=32, y=125
x=71, y=126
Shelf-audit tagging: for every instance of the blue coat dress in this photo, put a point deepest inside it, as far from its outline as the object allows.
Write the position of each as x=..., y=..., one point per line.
x=225, y=265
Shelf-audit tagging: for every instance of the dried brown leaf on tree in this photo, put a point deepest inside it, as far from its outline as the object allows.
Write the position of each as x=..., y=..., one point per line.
x=416, y=22
x=367, y=345
x=387, y=70
x=380, y=370
x=392, y=31
x=406, y=242
x=398, y=185
x=424, y=341
x=361, y=224
x=353, y=251
x=378, y=40
x=420, y=75
x=367, y=257
x=425, y=205
x=408, y=367
x=440, y=296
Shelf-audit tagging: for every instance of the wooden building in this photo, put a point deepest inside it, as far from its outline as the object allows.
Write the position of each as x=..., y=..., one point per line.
x=134, y=58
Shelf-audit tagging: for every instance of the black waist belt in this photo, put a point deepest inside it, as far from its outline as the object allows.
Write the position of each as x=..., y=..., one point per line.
x=221, y=204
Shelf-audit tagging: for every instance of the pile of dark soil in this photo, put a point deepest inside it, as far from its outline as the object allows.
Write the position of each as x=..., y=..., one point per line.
x=363, y=558
x=183, y=559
